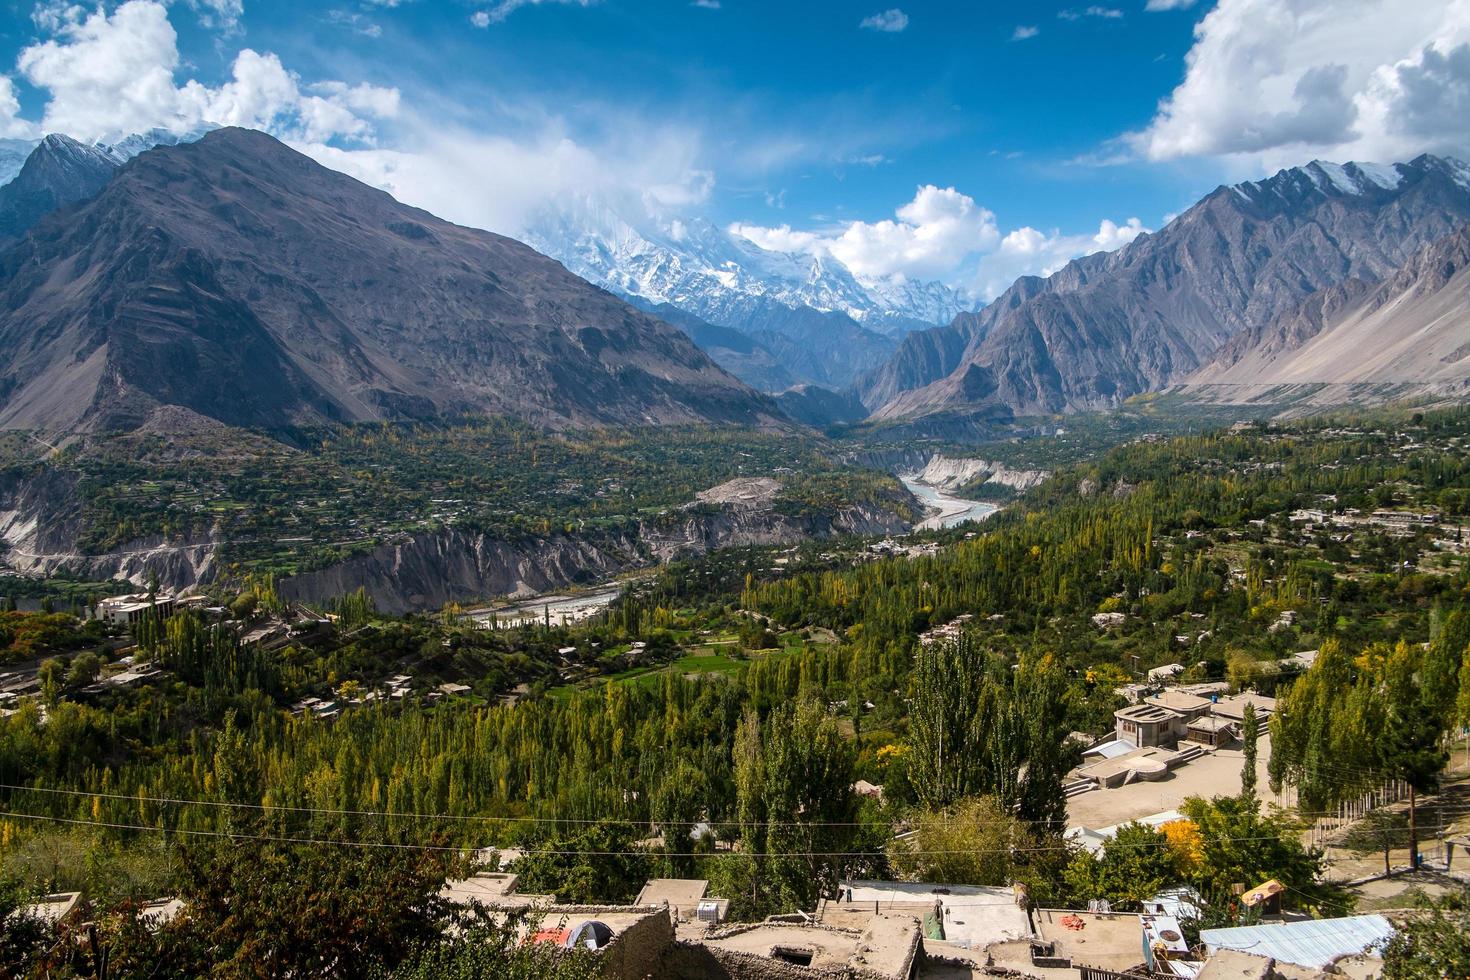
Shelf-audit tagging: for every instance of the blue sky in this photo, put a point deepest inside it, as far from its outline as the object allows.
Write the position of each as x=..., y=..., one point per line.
x=1031, y=124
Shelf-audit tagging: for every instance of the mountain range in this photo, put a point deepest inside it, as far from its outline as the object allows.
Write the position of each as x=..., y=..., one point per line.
x=1111, y=325
x=810, y=313
x=239, y=279
x=234, y=277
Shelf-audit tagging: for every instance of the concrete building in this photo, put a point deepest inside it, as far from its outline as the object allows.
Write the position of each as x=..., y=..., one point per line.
x=887, y=947
x=686, y=899
x=1186, y=706
x=1147, y=725
x=967, y=916
x=126, y=610
x=1233, y=709
x=1211, y=730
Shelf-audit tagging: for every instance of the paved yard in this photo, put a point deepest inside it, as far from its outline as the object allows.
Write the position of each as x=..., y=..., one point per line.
x=1213, y=775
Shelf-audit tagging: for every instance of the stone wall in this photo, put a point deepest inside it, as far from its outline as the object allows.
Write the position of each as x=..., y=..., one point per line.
x=636, y=952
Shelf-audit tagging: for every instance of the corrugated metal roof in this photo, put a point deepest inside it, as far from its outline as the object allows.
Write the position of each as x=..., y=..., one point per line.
x=1313, y=943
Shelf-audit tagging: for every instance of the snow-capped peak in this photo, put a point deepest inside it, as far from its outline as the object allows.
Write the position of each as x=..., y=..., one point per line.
x=716, y=275
x=1351, y=179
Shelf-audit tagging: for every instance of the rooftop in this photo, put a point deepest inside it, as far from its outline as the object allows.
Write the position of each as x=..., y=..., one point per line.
x=1179, y=701
x=886, y=947
x=1107, y=940
x=1147, y=713
x=490, y=888
x=679, y=894
x=1313, y=943
x=970, y=915
x=1234, y=708
x=1211, y=723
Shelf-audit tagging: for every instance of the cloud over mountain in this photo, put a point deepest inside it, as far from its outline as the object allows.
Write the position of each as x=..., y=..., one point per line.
x=1278, y=80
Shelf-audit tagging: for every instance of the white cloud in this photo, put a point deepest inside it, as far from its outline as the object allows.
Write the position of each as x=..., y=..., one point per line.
x=1278, y=81
x=358, y=23
x=1102, y=13
x=888, y=21
x=943, y=234
x=506, y=184
x=1024, y=32
x=11, y=125
x=221, y=14
x=498, y=12
x=1029, y=252
x=1155, y=6
x=107, y=75
x=930, y=238
x=706, y=4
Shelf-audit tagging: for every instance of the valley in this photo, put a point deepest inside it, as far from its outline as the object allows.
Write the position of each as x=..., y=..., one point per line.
x=383, y=597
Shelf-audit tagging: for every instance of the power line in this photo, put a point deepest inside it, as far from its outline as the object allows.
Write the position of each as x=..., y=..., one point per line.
x=410, y=815
x=572, y=852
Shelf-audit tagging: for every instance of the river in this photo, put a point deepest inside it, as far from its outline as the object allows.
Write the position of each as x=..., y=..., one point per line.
x=944, y=509
x=952, y=510
x=561, y=610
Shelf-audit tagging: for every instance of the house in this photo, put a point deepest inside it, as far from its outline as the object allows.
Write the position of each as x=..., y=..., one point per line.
x=884, y=947
x=1211, y=730
x=1187, y=706
x=1110, y=941
x=1167, y=672
x=682, y=897
x=126, y=610
x=1233, y=709
x=964, y=916
x=1147, y=725
x=1314, y=944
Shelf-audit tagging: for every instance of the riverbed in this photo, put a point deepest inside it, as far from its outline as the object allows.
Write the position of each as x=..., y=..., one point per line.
x=559, y=610
x=942, y=509
x=945, y=509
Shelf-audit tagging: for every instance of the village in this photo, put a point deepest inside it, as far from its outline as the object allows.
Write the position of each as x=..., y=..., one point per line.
x=1172, y=740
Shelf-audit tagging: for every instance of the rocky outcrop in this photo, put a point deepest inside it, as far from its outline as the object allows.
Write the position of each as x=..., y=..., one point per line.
x=1412, y=329
x=41, y=520
x=424, y=571
x=40, y=525
x=947, y=473
x=59, y=171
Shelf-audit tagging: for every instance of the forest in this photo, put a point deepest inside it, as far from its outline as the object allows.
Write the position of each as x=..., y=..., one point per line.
x=830, y=671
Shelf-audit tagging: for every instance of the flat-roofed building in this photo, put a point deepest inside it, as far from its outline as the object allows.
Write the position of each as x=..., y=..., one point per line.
x=127, y=610
x=887, y=946
x=680, y=895
x=1187, y=706
x=1147, y=725
x=1233, y=709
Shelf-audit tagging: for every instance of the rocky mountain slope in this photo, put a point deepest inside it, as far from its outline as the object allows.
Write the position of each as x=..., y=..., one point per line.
x=58, y=172
x=41, y=517
x=241, y=280
x=840, y=326
x=1108, y=326
x=1410, y=329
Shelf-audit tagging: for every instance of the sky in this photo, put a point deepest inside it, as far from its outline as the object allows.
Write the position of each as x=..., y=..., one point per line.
x=962, y=142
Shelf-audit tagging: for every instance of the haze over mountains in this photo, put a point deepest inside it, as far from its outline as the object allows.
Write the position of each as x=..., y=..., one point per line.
x=239, y=279
x=235, y=277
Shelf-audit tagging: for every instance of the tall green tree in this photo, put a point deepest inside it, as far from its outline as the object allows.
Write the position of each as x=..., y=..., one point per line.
x=794, y=775
x=1250, y=732
x=946, y=754
x=1411, y=748
x=1134, y=865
